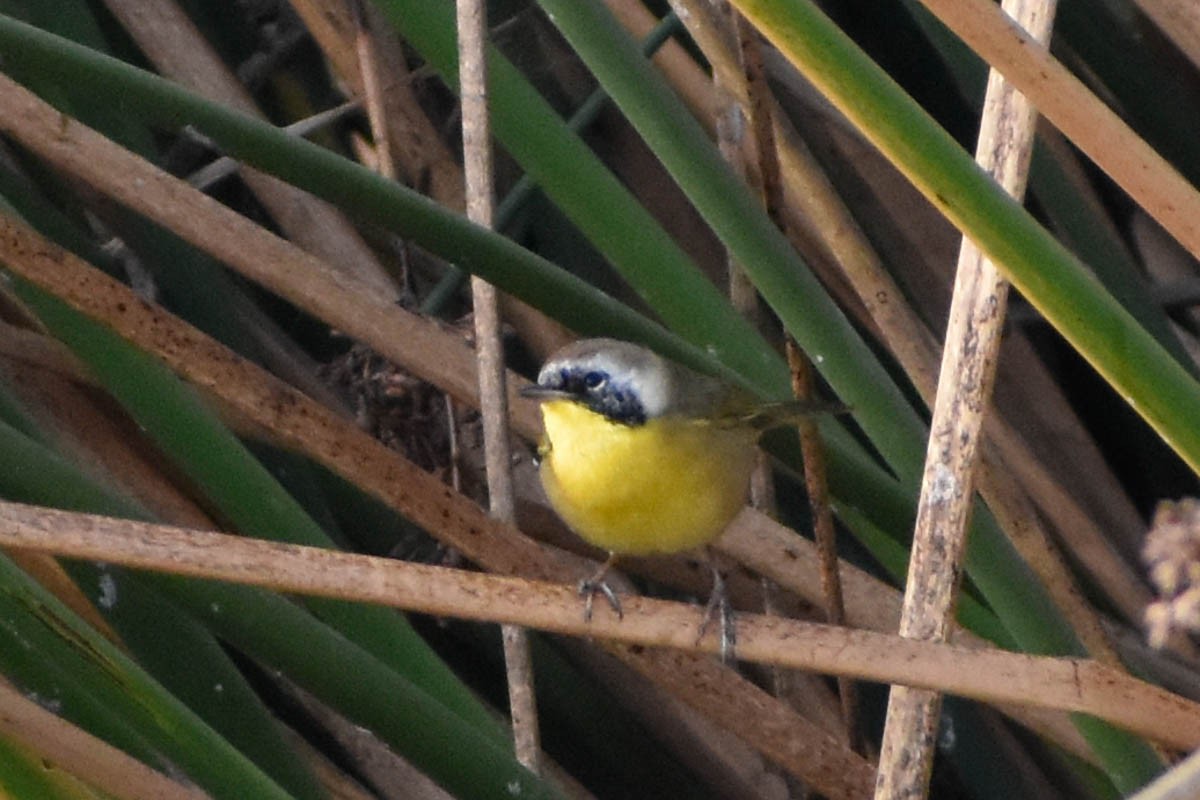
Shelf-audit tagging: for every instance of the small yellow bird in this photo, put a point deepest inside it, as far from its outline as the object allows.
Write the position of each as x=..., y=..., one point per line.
x=642, y=455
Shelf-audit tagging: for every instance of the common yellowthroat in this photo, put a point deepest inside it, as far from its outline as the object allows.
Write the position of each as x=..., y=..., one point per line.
x=641, y=455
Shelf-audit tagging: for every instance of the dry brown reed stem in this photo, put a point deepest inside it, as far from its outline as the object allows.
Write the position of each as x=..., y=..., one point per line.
x=471, y=19
x=762, y=108
x=369, y=70
x=750, y=81
x=1070, y=684
x=57, y=745
x=968, y=372
x=915, y=347
x=294, y=421
x=169, y=39
x=816, y=481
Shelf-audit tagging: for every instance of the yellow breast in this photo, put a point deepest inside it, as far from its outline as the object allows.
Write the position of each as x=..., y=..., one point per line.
x=666, y=486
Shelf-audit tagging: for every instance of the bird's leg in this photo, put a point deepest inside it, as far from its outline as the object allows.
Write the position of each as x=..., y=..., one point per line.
x=719, y=606
x=590, y=587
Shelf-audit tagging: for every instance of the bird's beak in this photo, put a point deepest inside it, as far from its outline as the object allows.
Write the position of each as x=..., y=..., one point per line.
x=535, y=392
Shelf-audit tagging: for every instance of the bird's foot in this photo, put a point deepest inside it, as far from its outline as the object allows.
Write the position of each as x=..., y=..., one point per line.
x=590, y=587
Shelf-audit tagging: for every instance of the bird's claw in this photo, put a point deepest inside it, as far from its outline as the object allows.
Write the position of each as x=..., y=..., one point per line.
x=589, y=588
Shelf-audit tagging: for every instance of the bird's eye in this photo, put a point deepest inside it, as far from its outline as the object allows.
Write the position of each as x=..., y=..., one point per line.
x=594, y=380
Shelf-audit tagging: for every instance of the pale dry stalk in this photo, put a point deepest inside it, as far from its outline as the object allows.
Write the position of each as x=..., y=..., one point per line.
x=964, y=394
x=493, y=398
x=370, y=69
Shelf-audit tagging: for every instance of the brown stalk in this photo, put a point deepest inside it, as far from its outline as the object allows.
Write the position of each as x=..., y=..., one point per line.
x=480, y=194
x=968, y=372
x=816, y=482
x=369, y=69
x=1069, y=684
x=760, y=110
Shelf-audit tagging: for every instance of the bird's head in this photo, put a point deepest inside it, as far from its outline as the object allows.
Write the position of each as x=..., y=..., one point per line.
x=624, y=382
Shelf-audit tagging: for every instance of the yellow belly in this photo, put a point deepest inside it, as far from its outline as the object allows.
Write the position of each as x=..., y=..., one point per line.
x=663, y=487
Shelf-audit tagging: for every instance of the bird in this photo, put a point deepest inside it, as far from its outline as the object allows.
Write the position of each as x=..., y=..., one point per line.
x=641, y=455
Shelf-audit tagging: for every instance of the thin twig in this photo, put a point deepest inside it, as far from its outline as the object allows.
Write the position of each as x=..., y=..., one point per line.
x=762, y=105
x=816, y=482
x=964, y=394
x=368, y=68
x=740, y=152
x=480, y=195
x=751, y=81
